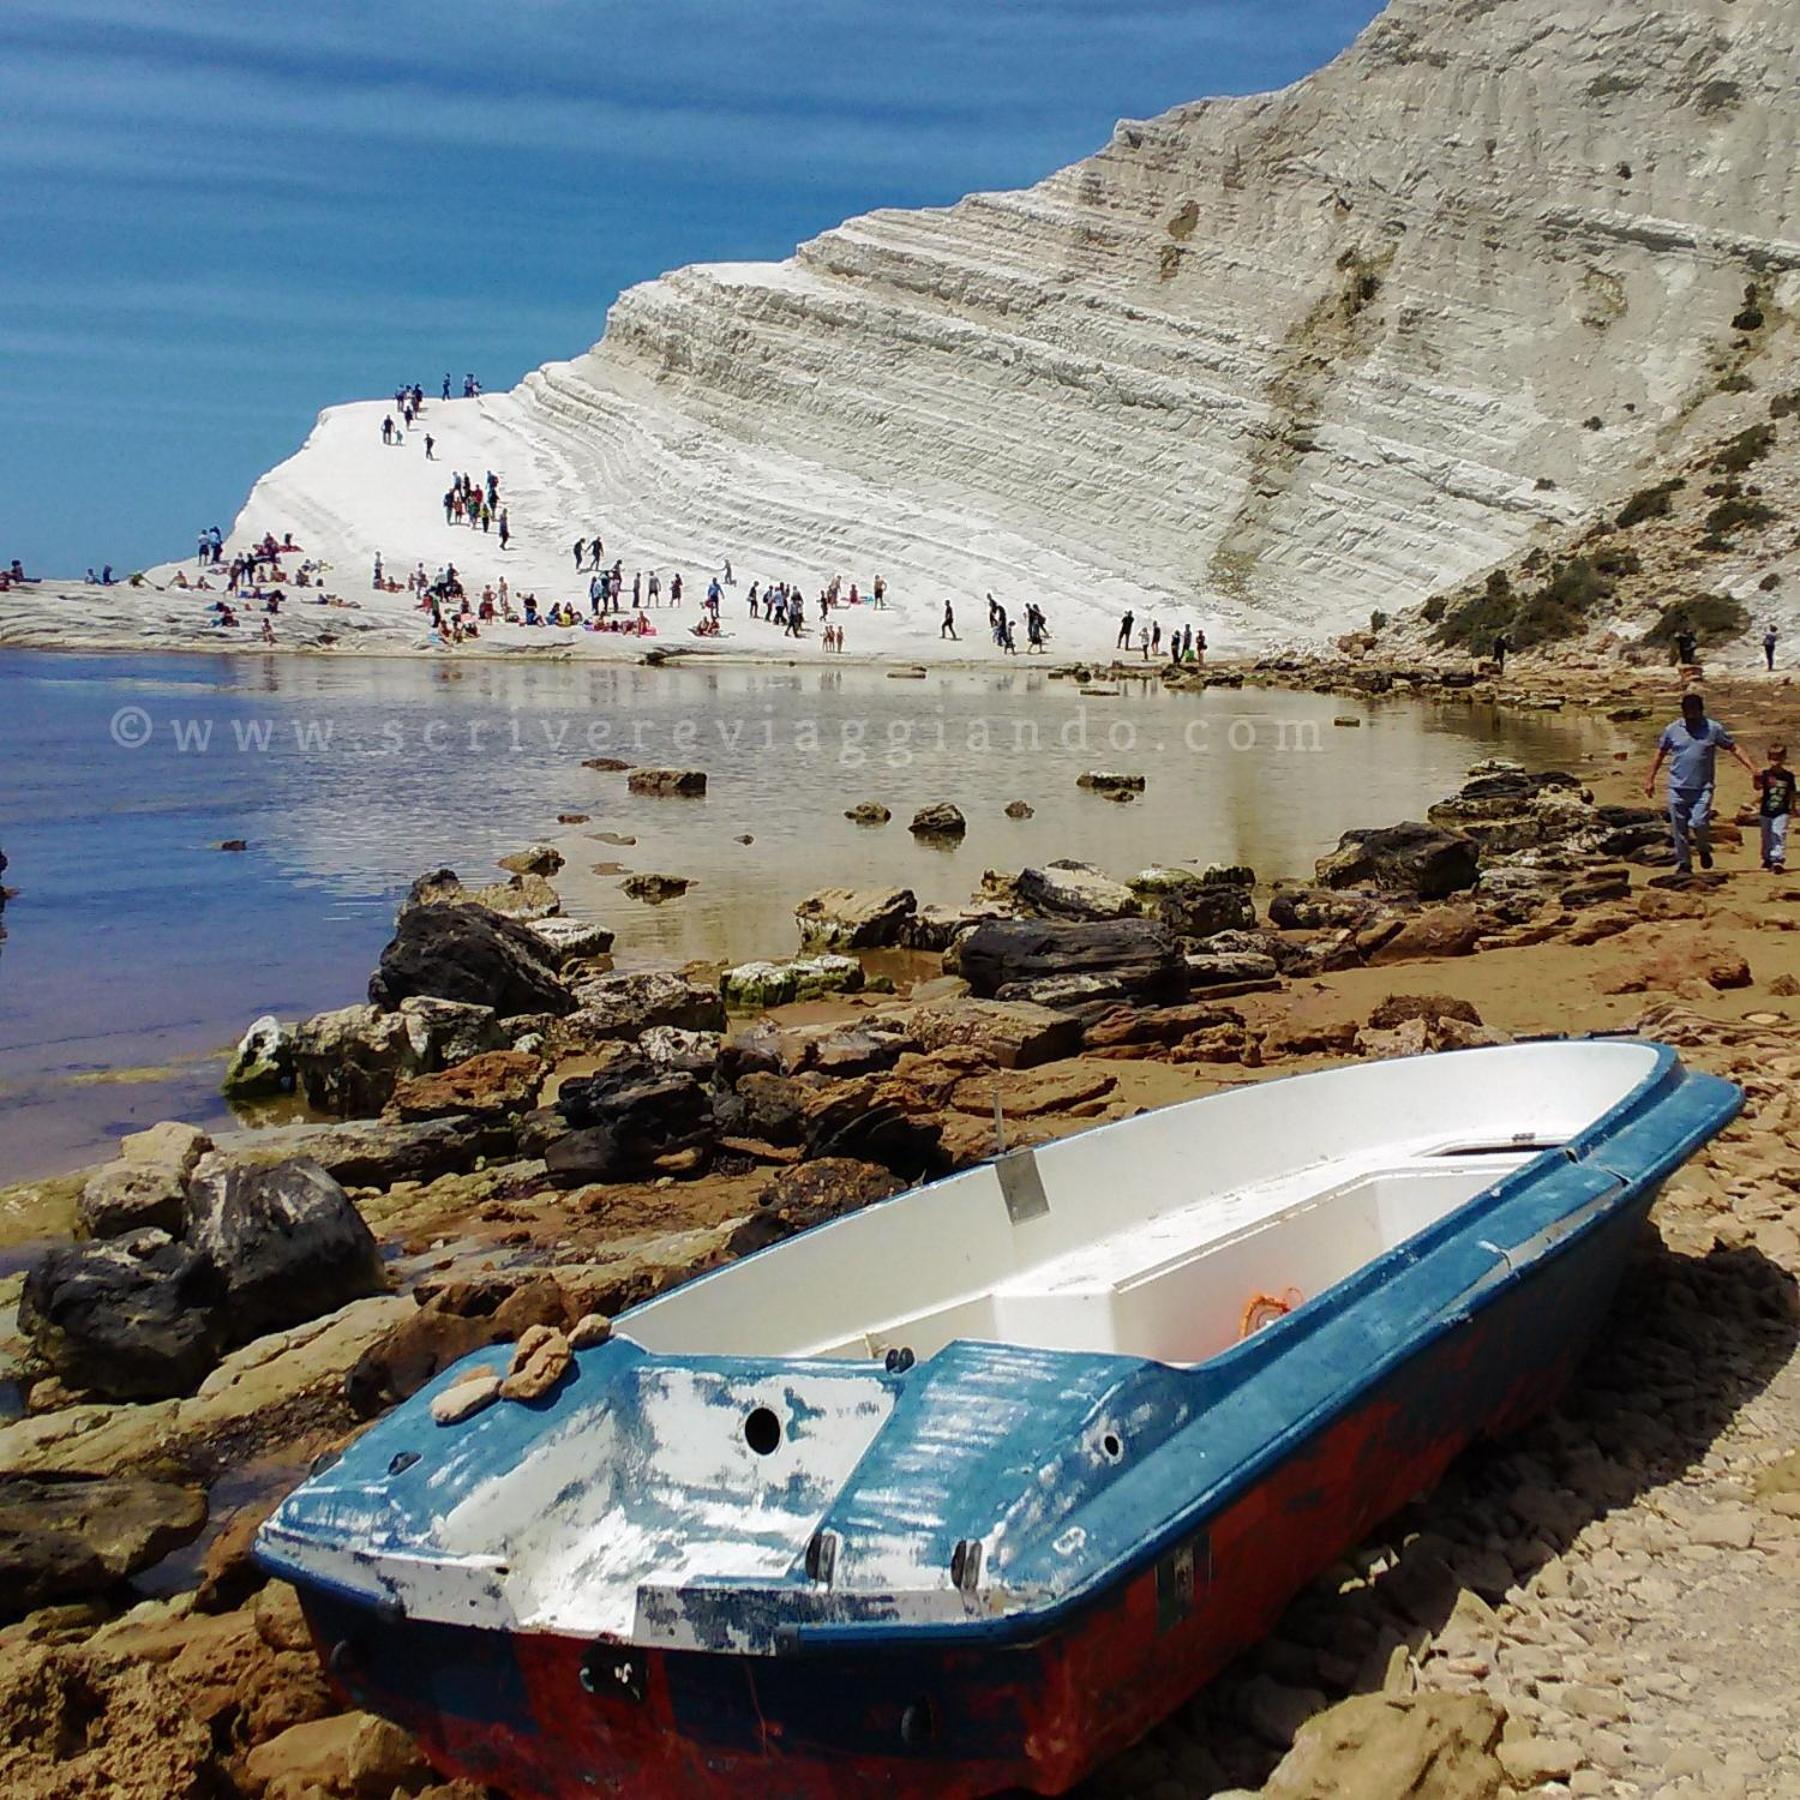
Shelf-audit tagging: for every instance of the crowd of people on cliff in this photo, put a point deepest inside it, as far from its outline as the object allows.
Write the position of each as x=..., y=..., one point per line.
x=477, y=505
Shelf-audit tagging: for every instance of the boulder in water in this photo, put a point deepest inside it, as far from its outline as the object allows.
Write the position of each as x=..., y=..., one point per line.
x=942, y=821
x=536, y=859
x=653, y=890
x=681, y=784
x=855, y=918
x=262, y=1067
x=470, y=954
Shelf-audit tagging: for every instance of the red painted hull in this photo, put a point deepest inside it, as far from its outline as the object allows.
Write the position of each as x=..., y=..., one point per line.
x=514, y=1712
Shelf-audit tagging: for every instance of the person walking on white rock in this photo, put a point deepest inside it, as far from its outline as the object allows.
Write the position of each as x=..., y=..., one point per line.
x=1771, y=637
x=505, y=526
x=387, y=429
x=580, y=547
x=1125, y=625
x=655, y=588
x=948, y=628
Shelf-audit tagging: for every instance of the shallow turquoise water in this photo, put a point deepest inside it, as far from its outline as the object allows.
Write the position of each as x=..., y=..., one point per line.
x=135, y=944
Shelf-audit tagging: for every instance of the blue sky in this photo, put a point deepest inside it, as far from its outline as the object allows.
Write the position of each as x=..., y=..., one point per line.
x=219, y=216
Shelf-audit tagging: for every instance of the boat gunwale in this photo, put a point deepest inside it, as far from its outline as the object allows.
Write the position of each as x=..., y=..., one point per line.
x=1253, y=1355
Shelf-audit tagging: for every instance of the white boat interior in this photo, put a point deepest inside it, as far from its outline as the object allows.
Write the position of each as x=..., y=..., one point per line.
x=1169, y=1236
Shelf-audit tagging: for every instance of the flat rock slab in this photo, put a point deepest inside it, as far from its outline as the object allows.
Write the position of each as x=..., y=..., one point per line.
x=1032, y=1093
x=66, y=1537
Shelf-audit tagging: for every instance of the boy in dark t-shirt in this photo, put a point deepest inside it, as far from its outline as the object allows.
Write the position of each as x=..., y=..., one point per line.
x=1776, y=785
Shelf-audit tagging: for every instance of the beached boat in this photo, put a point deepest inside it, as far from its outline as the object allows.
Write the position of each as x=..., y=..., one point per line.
x=964, y=1492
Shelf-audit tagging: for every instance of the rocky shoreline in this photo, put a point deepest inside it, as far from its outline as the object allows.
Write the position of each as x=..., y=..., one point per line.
x=519, y=1141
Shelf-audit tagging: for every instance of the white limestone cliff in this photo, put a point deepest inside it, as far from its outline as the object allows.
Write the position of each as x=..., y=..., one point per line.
x=1265, y=363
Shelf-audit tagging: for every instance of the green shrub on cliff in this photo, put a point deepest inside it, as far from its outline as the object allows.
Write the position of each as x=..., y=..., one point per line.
x=1649, y=503
x=1748, y=447
x=1712, y=618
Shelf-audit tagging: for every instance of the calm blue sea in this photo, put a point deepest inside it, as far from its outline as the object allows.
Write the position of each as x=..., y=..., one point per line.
x=134, y=945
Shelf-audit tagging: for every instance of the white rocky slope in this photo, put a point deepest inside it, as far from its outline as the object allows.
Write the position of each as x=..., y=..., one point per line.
x=1265, y=364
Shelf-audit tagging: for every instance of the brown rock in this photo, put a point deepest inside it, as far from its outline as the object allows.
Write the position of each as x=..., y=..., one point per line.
x=653, y=890
x=1382, y=1747
x=1409, y=1038
x=1032, y=1093
x=353, y=1754
x=590, y=1331
x=1440, y=931
x=684, y=784
x=539, y=859
x=131, y=1196
x=497, y=1083
x=541, y=1360
x=1396, y=1009
x=940, y=821
x=1681, y=961
x=1015, y=1034
x=68, y=1732
x=64, y=1538
x=466, y=1399
x=169, y=1145
x=809, y=1194
x=459, y=1320
x=228, y=1571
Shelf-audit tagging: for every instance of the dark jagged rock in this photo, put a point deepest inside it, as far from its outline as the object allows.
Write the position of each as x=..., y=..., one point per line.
x=1198, y=904
x=1409, y=858
x=1140, y=958
x=809, y=1194
x=285, y=1242
x=132, y=1318
x=683, y=784
x=940, y=821
x=625, y=1118
x=470, y=954
x=1320, y=909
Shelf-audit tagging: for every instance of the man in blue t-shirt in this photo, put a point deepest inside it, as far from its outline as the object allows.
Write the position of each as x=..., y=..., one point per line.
x=1691, y=746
